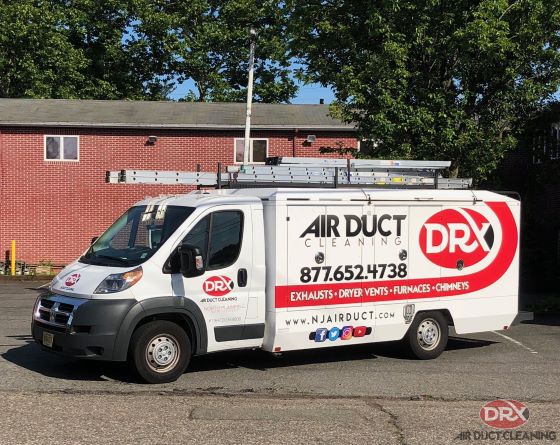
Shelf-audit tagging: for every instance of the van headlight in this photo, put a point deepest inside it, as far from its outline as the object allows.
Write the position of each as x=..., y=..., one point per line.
x=119, y=281
x=36, y=306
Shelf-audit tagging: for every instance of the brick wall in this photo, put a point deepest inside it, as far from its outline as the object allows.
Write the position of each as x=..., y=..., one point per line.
x=53, y=208
x=533, y=170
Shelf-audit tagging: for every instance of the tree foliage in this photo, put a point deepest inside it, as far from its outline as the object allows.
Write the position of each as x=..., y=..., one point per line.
x=141, y=49
x=102, y=31
x=434, y=79
x=208, y=42
x=73, y=49
x=36, y=57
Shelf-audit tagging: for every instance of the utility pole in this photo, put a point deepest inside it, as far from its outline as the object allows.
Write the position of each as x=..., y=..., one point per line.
x=253, y=34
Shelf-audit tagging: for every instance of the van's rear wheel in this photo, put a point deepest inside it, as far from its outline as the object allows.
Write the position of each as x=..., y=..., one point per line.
x=427, y=337
x=160, y=351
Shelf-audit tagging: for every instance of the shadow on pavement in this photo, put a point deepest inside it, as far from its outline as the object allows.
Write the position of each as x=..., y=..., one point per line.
x=545, y=320
x=259, y=360
x=24, y=337
x=456, y=343
x=32, y=357
x=39, y=288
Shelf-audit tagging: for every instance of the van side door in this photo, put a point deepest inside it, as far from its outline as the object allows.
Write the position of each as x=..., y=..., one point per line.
x=224, y=238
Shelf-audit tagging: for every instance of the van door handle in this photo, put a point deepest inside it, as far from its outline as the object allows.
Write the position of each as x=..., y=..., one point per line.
x=242, y=277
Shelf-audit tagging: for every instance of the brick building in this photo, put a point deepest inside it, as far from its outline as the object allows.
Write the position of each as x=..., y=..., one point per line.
x=54, y=155
x=533, y=170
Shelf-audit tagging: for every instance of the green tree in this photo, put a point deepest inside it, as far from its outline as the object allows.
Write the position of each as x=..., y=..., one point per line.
x=207, y=41
x=117, y=68
x=36, y=57
x=141, y=49
x=74, y=49
x=434, y=79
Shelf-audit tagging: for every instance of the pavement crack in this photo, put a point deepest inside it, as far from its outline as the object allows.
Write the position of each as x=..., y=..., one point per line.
x=393, y=421
x=125, y=388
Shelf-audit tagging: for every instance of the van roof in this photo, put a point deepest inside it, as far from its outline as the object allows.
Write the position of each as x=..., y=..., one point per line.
x=199, y=198
x=252, y=195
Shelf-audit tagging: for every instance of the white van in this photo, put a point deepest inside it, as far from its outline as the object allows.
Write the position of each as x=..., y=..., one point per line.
x=285, y=269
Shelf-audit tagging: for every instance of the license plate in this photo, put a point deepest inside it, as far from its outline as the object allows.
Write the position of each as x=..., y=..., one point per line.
x=48, y=339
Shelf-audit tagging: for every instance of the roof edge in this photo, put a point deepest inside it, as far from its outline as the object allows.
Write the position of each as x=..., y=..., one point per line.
x=175, y=126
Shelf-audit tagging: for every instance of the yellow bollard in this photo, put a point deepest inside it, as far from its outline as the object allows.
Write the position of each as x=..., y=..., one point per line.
x=13, y=253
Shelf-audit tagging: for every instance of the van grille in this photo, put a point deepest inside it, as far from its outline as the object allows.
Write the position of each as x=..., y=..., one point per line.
x=47, y=303
x=56, y=311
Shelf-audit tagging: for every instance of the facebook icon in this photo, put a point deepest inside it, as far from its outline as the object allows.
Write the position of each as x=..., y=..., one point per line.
x=321, y=335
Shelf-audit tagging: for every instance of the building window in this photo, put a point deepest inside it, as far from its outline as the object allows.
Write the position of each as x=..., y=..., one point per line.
x=61, y=148
x=546, y=144
x=258, y=150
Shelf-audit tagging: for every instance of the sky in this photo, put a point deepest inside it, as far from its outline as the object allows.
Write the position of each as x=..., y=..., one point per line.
x=310, y=94
x=307, y=94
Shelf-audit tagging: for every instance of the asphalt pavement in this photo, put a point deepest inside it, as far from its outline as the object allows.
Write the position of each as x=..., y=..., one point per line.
x=361, y=394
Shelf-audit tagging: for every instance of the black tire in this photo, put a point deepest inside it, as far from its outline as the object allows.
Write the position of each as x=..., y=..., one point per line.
x=160, y=351
x=427, y=337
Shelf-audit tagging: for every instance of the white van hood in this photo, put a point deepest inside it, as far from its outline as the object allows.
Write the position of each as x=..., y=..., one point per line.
x=80, y=280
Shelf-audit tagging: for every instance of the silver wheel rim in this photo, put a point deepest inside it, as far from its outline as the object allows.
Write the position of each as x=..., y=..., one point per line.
x=162, y=353
x=428, y=334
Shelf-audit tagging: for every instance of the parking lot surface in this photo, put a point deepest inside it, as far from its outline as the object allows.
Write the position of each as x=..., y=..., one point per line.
x=370, y=394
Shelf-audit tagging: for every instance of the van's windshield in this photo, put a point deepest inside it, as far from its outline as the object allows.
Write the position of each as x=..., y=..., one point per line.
x=136, y=235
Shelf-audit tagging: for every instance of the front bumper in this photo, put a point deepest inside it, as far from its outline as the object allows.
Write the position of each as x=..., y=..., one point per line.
x=80, y=328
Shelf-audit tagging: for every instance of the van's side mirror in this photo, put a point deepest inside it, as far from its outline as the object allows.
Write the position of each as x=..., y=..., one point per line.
x=192, y=263
x=94, y=239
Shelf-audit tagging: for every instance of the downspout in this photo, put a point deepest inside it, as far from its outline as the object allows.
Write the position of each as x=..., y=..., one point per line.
x=296, y=131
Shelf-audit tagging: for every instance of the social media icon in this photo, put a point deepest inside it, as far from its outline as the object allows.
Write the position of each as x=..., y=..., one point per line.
x=346, y=333
x=321, y=335
x=334, y=333
x=359, y=331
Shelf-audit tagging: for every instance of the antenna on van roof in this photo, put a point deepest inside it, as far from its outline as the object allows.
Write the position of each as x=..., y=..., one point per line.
x=306, y=172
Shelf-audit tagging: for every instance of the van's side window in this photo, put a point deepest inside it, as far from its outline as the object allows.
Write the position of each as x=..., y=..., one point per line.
x=225, y=239
x=198, y=236
x=218, y=236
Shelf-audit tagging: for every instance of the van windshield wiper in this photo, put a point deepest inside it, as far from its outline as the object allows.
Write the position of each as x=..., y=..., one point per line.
x=108, y=257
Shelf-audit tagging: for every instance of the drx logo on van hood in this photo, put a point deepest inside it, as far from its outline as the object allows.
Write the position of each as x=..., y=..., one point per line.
x=72, y=279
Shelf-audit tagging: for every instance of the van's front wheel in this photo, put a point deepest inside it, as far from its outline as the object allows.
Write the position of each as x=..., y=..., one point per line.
x=428, y=334
x=160, y=351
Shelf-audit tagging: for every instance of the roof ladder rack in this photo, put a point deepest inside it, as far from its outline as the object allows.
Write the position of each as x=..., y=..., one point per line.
x=306, y=172
x=360, y=163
